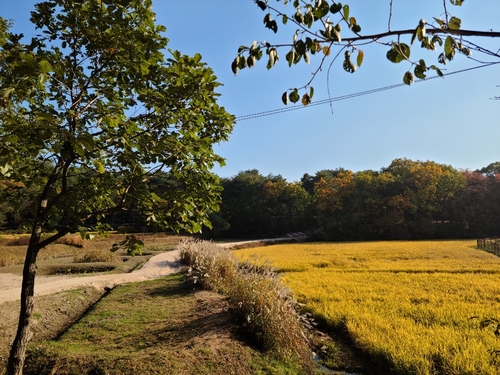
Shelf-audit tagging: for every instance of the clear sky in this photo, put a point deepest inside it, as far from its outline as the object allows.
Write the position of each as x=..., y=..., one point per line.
x=450, y=121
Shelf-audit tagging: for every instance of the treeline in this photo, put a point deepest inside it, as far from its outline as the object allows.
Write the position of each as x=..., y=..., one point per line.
x=406, y=200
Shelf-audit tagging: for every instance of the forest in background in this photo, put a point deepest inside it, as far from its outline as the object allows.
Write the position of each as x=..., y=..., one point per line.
x=406, y=200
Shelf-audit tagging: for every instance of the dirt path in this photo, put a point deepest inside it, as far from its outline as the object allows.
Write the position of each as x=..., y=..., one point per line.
x=160, y=265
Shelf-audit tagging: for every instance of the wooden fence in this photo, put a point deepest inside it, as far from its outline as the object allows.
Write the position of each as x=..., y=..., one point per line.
x=491, y=245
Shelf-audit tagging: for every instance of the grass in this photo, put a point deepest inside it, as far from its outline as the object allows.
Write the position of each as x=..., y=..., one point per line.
x=408, y=305
x=156, y=327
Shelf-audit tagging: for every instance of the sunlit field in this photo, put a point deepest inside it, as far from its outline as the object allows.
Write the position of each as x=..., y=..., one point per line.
x=416, y=306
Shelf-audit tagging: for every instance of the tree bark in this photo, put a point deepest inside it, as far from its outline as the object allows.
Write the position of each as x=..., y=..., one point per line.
x=18, y=351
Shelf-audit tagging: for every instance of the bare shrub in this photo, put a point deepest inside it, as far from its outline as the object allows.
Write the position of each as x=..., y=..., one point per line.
x=96, y=256
x=264, y=306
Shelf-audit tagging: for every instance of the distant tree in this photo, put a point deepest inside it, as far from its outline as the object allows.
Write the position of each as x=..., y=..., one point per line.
x=470, y=207
x=422, y=188
x=287, y=206
x=309, y=181
x=254, y=205
x=318, y=29
x=243, y=202
x=491, y=170
x=93, y=110
x=332, y=198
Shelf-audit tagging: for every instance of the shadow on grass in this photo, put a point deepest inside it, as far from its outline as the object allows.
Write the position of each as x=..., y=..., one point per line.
x=175, y=288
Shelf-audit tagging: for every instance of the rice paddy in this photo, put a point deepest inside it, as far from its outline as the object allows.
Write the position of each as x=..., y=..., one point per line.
x=414, y=306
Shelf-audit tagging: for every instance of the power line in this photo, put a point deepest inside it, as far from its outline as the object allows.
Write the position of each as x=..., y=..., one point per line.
x=349, y=96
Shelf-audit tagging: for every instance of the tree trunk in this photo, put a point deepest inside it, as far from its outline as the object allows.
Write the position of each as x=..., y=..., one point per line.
x=23, y=336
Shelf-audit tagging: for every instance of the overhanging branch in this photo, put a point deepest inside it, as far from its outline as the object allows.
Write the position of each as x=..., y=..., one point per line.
x=490, y=34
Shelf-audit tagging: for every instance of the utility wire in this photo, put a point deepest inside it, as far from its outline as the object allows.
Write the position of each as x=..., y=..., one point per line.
x=349, y=96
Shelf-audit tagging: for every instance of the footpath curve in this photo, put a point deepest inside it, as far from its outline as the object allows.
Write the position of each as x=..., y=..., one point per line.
x=157, y=266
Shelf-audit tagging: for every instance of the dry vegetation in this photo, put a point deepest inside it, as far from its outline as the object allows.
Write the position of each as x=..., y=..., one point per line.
x=73, y=249
x=413, y=307
x=256, y=294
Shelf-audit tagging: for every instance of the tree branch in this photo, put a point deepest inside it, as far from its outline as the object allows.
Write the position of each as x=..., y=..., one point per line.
x=491, y=34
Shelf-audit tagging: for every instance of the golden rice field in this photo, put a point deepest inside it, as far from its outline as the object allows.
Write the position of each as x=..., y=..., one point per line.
x=408, y=304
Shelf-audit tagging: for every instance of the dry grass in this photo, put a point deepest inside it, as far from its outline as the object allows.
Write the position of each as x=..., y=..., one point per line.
x=68, y=246
x=406, y=304
x=72, y=240
x=96, y=255
x=262, y=304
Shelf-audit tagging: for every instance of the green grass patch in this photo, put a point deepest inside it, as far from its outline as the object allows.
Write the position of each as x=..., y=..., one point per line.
x=155, y=327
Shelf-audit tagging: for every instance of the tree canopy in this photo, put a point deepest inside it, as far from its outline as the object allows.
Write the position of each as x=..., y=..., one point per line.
x=332, y=31
x=91, y=109
x=406, y=200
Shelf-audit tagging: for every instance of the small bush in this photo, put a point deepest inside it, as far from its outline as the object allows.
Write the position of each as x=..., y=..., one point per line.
x=20, y=241
x=79, y=268
x=75, y=241
x=256, y=294
x=94, y=256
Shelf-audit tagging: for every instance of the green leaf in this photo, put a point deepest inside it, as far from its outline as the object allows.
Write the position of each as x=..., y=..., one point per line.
x=356, y=28
x=437, y=39
x=321, y=10
x=7, y=91
x=414, y=36
x=300, y=47
x=335, y=8
x=465, y=51
x=449, y=48
x=251, y=61
x=454, y=23
x=398, y=53
x=408, y=78
x=438, y=71
x=439, y=21
x=28, y=59
x=294, y=96
x=262, y=5
x=346, y=12
x=45, y=66
x=311, y=92
x=420, y=72
x=99, y=166
x=242, y=62
x=290, y=57
x=457, y=2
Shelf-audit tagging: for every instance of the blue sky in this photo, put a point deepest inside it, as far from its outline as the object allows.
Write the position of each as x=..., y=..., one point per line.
x=450, y=121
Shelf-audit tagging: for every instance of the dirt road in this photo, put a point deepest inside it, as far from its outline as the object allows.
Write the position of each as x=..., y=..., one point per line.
x=160, y=265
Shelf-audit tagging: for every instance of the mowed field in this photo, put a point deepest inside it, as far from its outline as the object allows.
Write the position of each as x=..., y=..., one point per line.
x=414, y=306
